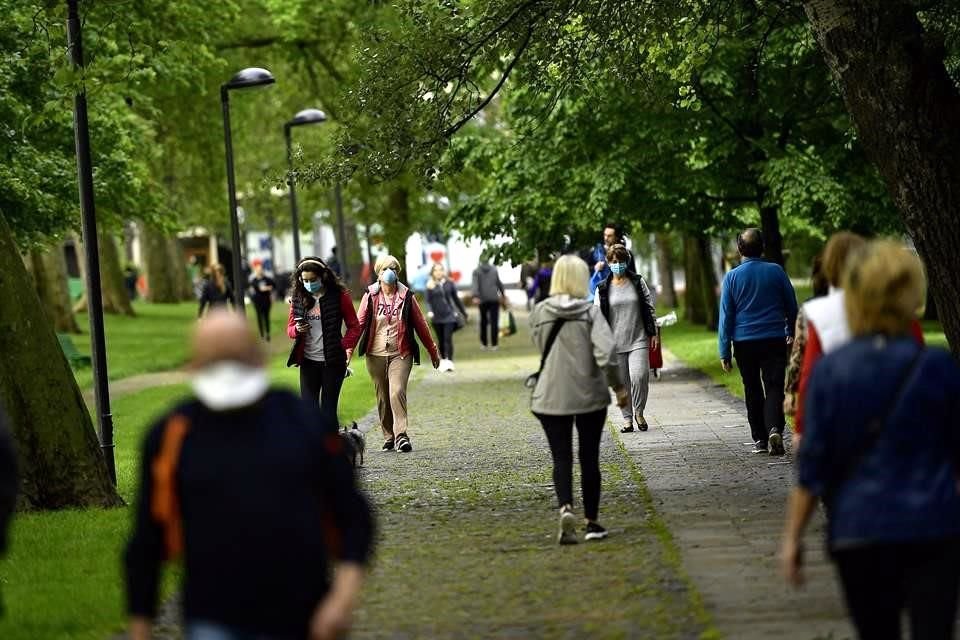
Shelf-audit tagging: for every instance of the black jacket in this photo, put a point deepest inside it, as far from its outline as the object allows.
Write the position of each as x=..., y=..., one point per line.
x=266, y=498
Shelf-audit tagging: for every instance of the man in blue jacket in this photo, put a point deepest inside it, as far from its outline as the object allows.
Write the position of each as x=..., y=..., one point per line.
x=758, y=312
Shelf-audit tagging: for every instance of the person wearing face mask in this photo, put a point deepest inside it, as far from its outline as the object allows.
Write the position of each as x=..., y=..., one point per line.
x=320, y=307
x=390, y=323
x=251, y=489
x=626, y=302
x=599, y=265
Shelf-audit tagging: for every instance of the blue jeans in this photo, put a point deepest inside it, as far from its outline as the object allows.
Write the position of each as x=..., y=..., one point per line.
x=209, y=630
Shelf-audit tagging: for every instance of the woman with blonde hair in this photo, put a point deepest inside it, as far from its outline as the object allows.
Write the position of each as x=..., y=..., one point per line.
x=444, y=305
x=577, y=366
x=882, y=451
x=390, y=322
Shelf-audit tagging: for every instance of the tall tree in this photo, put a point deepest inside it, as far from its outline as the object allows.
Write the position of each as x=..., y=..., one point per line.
x=906, y=108
x=59, y=456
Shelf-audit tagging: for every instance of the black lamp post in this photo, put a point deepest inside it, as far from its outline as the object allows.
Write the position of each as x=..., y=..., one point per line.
x=307, y=116
x=245, y=79
x=98, y=347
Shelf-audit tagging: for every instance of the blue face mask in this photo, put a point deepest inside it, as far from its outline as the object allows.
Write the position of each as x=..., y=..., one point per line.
x=618, y=268
x=313, y=286
x=389, y=276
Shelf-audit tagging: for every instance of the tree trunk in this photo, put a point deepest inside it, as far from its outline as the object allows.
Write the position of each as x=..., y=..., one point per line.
x=906, y=109
x=701, y=297
x=772, y=240
x=161, y=281
x=178, y=267
x=397, y=228
x=667, y=298
x=60, y=461
x=49, y=270
x=115, y=298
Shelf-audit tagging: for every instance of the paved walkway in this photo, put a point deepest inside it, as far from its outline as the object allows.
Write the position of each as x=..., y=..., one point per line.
x=725, y=507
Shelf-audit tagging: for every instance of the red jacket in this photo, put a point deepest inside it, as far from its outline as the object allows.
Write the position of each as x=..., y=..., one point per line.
x=349, y=319
x=368, y=323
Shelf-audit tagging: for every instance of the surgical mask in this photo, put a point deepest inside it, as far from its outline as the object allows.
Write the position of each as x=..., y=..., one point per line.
x=230, y=385
x=618, y=268
x=313, y=286
x=389, y=276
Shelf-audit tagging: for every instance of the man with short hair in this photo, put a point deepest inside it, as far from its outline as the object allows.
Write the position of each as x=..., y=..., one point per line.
x=254, y=491
x=758, y=313
x=612, y=234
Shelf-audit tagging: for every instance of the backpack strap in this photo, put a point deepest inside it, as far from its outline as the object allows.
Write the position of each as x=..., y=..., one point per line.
x=164, y=503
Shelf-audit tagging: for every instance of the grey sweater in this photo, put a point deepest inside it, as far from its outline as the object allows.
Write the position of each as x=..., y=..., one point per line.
x=580, y=366
x=486, y=283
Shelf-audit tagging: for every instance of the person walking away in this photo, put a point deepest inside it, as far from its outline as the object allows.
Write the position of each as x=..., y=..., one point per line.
x=334, y=263
x=8, y=484
x=488, y=295
x=792, y=379
x=443, y=303
x=626, y=303
x=251, y=489
x=541, y=283
x=758, y=314
x=390, y=323
x=881, y=449
x=827, y=328
x=612, y=234
x=217, y=291
x=578, y=366
x=319, y=309
x=261, y=293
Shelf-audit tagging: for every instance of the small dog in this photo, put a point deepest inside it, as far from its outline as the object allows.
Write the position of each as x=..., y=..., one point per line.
x=356, y=443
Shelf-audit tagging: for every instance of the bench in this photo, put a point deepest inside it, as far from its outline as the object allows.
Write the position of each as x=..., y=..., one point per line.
x=69, y=349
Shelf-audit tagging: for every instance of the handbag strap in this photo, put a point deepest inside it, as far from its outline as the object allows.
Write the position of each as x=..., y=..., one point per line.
x=875, y=426
x=551, y=338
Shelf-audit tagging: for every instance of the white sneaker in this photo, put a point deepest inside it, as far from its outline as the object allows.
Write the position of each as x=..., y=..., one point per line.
x=450, y=366
x=568, y=526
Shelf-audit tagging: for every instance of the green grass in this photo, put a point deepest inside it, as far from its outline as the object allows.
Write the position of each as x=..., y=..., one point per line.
x=62, y=576
x=157, y=339
x=697, y=347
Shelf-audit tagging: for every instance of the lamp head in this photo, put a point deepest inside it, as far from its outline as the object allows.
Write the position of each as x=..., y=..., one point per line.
x=250, y=77
x=308, y=116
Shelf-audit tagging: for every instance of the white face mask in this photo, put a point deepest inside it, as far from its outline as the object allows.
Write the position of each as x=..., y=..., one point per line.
x=230, y=385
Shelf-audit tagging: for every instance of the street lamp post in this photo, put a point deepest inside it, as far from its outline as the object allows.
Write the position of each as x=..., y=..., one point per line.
x=88, y=215
x=245, y=79
x=306, y=116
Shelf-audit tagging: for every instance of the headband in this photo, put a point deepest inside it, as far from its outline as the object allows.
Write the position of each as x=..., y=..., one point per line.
x=309, y=261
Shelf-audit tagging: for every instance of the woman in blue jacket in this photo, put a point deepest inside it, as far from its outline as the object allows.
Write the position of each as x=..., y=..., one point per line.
x=882, y=450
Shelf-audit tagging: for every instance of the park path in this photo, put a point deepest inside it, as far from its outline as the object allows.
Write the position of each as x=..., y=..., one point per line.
x=725, y=507
x=468, y=524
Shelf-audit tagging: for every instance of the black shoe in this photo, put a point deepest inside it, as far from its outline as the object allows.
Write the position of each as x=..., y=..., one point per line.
x=760, y=446
x=776, y=444
x=627, y=428
x=642, y=426
x=595, y=532
x=387, y=446
x=403, y=443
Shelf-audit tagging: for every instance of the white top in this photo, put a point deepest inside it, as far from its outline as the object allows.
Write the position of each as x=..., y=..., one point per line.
x=313, y=346
x=828, y=315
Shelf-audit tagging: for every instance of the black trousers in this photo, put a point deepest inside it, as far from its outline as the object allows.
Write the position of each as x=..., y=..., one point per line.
x=763, y=367
x=489, y=318
x=444, y=331
x=559, y=430
x=321, y=381
x=263, y=317
x=880, y=581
